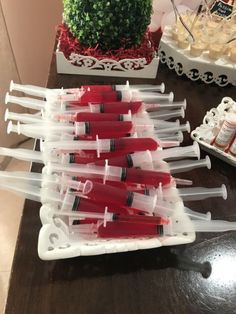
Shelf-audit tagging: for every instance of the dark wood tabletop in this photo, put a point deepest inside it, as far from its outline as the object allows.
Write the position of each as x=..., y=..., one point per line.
x=146, y=281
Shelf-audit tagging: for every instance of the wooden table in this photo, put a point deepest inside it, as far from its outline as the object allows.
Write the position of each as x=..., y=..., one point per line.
x=143, y=281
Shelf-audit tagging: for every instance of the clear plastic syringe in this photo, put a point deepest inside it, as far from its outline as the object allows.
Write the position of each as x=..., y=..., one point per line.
x=85, y=96
x=141, y=159
x=40, y=91
x=114, y=173
x=51, y=107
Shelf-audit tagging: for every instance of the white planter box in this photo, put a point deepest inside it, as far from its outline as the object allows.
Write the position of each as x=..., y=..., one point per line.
x=86, y=65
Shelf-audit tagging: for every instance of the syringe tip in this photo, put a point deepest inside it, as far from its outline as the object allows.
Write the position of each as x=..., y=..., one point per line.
x=182, y=112
x=6, y=98
x=162, y=87
x=9, y=127
x=224, y=192
x=11, y=88
x=171, y=97
x=6, y=115
x=185, y=104
x=188, y=127
x=197, y=149
x=208, y=162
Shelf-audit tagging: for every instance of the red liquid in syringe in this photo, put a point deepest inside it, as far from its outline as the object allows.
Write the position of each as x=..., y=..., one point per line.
x=120, y=161
x=118, y=107
x=119, y=229
x=106, y=194
x=93, y=116
x=85, y=205
x=106, y=128
x=114, y=196
x=121, y=146
x=98, y=97
x=147, y=177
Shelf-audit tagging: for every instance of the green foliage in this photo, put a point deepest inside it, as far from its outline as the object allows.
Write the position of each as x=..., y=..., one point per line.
x=110, y=23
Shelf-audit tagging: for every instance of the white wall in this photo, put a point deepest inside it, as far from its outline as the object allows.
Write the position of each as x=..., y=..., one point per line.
x=26, y=54
x=32, y=26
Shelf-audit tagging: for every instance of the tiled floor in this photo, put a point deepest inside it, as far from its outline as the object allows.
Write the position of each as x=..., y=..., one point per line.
x=10, y=215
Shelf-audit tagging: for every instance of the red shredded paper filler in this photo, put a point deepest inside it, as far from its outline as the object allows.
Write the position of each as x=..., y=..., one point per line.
x=68, y=44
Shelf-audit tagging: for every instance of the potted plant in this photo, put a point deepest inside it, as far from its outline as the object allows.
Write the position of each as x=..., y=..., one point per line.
x=107, y=36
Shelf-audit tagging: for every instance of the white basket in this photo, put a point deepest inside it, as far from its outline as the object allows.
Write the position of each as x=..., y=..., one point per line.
x=87, y=65
x=210, y=121
x=222, y=71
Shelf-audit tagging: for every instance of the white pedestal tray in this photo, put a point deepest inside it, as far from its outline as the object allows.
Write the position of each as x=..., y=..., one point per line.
x=211, y=122
x=222, y=71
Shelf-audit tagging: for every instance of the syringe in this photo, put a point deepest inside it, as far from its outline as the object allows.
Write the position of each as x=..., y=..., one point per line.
x=71, y=202
x=85, y=96
x=106, y=148
x=152, y=158
x=52, y=151
x=90, y=123
x=41, y=91
x=105, y=129
x=68, y=202
x=113, y=173
x=49, y=108
x=123, y=229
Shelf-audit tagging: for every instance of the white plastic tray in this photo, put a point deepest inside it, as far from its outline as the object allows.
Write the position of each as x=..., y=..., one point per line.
x=211, y=121
x=55, y=241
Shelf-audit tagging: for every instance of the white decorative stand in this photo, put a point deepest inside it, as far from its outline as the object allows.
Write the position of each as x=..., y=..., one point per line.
x=211, y=122
x=87, y=65
x=56, y=242
x=221, y=71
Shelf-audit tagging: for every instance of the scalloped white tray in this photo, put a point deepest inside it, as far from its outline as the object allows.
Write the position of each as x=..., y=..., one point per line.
x=222, y=71
x=211, y=121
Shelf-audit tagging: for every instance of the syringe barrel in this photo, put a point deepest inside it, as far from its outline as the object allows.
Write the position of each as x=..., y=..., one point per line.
x=200, y=193
x=140, y=158
x=25, y=102
x=143, y=202
x=21, y=117
x=73, y=146
x=129, y=145
x=147, y=177
x=118, y=229
x=154, y=97
x=93, y=116
x=107, y=194
x=170, y=114
x=178, y=152
x=117, y=107
x=188, y=165
x=29, y=89
x=22, y=154
x=104, y=128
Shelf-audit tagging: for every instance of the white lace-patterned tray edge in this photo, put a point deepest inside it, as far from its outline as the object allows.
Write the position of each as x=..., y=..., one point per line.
x=88, y=65
x=211, y=118
x=102, y=246
x=56, y=242
x=222, y=71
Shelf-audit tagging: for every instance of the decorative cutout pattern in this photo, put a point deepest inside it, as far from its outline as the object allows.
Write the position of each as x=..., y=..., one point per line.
x=221, y=72
x=107, y=64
